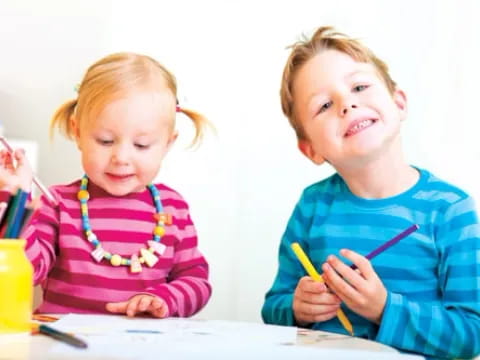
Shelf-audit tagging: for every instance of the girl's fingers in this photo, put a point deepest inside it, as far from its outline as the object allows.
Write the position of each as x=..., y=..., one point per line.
x=132, y=307
x=144, y=303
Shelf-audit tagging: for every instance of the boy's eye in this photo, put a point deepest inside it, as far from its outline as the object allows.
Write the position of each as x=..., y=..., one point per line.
x=325, y=107
x=359, y=88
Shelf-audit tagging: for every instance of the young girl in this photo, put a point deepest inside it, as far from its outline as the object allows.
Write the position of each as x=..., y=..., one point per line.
x=115, y=242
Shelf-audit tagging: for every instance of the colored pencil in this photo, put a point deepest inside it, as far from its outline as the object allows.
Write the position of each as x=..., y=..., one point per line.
x=310, y=269
x=37, y=182
x=389, y=243
x=61, y=336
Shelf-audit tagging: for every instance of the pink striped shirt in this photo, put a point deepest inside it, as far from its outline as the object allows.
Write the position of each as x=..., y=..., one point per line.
x=73, y=282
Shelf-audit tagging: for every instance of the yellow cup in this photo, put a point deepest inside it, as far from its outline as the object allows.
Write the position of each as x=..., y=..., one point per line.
x=16, y=287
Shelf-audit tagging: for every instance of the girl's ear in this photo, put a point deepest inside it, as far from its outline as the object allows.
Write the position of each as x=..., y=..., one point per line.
x=171, y=140
x=306, y=148
x=75, y=130
x=400, y=99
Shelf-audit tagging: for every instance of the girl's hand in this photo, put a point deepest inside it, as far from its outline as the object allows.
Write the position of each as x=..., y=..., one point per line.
x=312, y=302
x=361, y=290
x=14, y=177
x=138, y=304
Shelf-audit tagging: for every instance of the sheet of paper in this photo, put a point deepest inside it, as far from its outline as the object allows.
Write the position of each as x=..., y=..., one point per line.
x=175, y=329
x=124, y=338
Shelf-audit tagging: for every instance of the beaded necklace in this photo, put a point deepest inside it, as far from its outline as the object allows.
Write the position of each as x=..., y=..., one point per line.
x=146, y=254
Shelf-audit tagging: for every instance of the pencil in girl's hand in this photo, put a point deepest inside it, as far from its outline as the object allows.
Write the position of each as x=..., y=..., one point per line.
x=389, y=243
x=310, y=269
x=36, y=181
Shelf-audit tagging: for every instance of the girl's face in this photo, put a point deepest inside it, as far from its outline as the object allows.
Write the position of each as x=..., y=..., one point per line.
x=346, y=110
x=123, y=147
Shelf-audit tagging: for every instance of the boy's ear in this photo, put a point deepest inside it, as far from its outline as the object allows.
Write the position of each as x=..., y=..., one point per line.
x=306, y=148
x=400, y=99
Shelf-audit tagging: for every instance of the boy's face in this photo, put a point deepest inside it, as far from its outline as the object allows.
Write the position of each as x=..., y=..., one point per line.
x=348, y=115
x=123, y=147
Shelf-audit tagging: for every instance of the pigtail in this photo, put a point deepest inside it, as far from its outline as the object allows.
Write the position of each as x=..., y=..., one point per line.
x=62, y=119
x=199, y=121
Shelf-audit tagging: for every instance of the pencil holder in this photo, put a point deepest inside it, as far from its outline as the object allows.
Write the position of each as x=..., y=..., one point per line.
x=16, y=287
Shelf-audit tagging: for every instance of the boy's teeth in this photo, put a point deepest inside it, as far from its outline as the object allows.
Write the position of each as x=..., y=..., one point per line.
x=361, y=125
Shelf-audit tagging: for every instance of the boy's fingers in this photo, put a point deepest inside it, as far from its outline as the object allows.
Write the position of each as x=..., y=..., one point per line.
x=307, y=284
x=362, y=263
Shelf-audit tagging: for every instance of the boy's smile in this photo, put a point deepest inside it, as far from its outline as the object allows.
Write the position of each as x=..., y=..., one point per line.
x=347, y=113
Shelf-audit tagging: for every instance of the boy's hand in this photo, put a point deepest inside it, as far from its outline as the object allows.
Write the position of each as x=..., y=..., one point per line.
x=138, y=304
x=14, y=177
x=312, y=302
x=361, y=290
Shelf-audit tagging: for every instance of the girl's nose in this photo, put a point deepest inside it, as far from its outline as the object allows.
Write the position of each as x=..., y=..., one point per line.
x=120, y=155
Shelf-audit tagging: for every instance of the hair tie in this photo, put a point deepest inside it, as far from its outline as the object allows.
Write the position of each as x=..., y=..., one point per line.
x=178, y=109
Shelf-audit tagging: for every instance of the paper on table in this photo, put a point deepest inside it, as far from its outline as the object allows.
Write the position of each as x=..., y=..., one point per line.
x=176, y=329
x=194, y=339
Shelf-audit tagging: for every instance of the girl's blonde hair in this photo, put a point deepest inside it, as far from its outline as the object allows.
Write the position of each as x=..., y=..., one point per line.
x=324, y=38
x=111, y=78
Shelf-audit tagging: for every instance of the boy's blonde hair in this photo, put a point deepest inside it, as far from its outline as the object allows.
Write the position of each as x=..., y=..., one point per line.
x=111, y=78
x=325, y=38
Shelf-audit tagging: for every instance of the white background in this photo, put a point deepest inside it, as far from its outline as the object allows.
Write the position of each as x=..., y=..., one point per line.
x=242, y=184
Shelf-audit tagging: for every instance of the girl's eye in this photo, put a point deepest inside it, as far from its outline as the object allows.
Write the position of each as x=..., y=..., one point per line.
x=325, y=107
x=359, y=88
x=142, y=146
x=104, y=142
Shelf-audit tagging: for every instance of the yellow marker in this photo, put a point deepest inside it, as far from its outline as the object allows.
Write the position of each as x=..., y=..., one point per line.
x=297, y=249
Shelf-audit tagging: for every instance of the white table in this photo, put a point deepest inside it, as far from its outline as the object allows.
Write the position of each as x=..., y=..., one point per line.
x=308, y=345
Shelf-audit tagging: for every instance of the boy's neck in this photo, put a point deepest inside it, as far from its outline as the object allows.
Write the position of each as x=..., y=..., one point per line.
x=383, y=177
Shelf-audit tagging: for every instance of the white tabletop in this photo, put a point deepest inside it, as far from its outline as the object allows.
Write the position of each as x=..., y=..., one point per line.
x=307, y=345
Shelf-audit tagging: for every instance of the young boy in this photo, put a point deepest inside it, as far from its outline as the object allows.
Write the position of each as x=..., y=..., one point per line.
x=421, y=295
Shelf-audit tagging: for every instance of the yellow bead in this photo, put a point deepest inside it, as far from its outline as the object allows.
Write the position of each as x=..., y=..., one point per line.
x=83, y=195
x=159, y=230
x=84, y=209
x=116, y=260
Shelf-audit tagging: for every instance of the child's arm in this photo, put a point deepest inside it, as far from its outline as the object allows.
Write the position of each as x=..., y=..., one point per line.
x=15, y=172
x=449, y=328
x=41, y=235
x=278, y=306
x=187, y=289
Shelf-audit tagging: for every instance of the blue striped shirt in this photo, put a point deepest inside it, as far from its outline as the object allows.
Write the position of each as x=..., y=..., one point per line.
x=432, y=276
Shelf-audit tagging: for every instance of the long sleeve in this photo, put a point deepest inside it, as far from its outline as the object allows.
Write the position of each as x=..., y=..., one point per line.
x=187, y=289
x=41, y=235
x=75, y=282
x=449, y=327
x=277, y=308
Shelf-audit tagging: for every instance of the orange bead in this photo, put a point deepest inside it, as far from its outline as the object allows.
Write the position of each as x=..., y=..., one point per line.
x=83, y=195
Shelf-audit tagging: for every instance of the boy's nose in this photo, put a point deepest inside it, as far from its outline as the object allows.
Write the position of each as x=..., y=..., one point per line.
x=347, y=108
